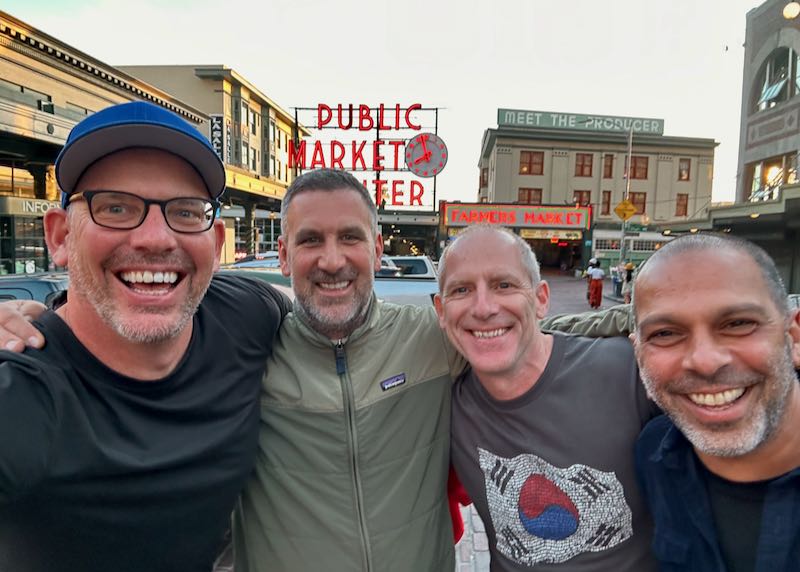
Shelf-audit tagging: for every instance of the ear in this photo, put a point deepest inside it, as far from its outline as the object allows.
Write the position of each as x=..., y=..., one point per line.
x=219, y=241
x=283, y=256
x=378, y=251
x=438, y=303
x=794, y=333
x=56, y=230
x=542, y=299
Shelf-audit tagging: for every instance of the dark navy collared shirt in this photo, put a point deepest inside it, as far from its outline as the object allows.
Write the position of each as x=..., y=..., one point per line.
x=685, y=537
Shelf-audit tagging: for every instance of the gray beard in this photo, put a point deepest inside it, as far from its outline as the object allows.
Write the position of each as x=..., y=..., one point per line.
x=762, y=428
x=107, y=310
x=327, y=327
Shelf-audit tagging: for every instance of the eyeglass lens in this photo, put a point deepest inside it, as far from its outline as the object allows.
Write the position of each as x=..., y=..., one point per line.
x=125, y=211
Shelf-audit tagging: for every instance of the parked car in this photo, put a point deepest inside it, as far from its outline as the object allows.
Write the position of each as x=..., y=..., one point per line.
x=397, y=290
x=417, y=267
x=41, y=286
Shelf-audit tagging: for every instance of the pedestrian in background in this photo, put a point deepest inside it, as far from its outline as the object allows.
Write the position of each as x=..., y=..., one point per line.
x=592, y=264
x=627, y=282
x=595, y=275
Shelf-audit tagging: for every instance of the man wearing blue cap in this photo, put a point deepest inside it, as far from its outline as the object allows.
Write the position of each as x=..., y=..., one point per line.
x=125, y=441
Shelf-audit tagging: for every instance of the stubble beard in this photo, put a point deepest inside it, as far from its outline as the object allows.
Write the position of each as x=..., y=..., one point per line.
x=334, y=327
x=727, y=440
x=97, y=294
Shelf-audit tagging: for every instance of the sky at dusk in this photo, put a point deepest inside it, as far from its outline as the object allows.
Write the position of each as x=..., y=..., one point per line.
x=680, y=60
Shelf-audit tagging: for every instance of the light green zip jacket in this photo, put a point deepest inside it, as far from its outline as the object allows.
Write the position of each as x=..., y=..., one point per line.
x=354, y=450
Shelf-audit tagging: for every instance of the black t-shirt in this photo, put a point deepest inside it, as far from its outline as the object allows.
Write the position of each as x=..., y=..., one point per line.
x=737, y=509
x=103, y=473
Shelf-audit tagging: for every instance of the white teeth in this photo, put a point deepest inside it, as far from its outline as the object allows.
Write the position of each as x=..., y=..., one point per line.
x=148, y=277
x=489, y=334
x=717, y=399
x=333, y=285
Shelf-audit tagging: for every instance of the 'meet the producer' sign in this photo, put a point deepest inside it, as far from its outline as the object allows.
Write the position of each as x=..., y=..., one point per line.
x=578, y=122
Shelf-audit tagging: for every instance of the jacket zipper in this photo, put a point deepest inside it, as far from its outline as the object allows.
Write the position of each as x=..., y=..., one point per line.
x=349, y=406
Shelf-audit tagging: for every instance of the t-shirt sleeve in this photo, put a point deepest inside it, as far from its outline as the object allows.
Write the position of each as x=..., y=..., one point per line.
x=251, y=308
x=27, y=425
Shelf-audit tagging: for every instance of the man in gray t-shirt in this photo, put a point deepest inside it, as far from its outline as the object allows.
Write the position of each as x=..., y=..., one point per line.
x=544, y=425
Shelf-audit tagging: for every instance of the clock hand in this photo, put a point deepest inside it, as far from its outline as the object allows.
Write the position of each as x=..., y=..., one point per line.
x=425, y=156
x=422, y=140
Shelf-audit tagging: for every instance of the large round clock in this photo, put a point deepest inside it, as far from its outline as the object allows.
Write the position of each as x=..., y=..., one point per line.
x=426, y=155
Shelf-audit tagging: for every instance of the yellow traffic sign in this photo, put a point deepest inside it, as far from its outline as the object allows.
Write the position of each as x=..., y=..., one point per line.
x=625, y=210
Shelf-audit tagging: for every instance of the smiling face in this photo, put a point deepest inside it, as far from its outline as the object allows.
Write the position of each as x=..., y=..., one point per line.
x=715, y=353
x=330, y=250
x=144, y=284
x=488, y=306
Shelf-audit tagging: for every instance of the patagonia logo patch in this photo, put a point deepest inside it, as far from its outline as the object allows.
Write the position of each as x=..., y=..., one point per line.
x=393, y=381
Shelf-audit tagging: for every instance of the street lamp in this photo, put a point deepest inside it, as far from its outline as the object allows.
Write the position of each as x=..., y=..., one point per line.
x=791, y=10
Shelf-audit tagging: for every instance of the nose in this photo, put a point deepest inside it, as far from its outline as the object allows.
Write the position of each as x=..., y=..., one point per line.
x=485, y=305
x=705, y=355
x=153, y=234
x=332, y=258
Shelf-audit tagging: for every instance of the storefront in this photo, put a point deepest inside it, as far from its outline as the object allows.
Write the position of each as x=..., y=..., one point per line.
x=557, y=234
x=22, y=245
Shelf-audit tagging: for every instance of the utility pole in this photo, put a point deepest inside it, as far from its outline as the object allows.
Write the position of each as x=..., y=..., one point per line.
x=624, y=227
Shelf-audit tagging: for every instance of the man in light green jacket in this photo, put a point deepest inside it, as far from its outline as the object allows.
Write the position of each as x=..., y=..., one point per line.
x=354, y=451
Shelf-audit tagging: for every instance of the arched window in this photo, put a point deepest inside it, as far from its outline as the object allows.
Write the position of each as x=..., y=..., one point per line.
x=778, y=80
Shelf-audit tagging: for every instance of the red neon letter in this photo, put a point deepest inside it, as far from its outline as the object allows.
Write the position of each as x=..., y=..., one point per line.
x=416, y=197
x=365, y=122
x=396, y=144
x=318, y=157
x=358, y=155
x=411, y=109
x=340, y=111
x=377, y=158
x=297, y=156
x=397, y=194
x=381, y=125
x=336, y=158
x=327, y=112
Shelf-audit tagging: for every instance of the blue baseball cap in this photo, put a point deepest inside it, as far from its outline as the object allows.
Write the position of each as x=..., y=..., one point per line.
x=136, y=124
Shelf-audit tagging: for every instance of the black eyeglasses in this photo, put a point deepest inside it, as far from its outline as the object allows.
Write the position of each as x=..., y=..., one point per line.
x=126, y=211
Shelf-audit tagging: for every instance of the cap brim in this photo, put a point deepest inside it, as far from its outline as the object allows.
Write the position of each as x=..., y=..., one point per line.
x=80, y=154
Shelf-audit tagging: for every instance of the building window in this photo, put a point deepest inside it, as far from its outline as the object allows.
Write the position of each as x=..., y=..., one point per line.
x=608, y=166
x=245, y=154
x=583, y=164
x=484, y=177
x=646, y=245
x=684, y=169
x=606, y=244
x=531, y=162
x=639, y=167
x=778, y=79
x=253, y=123
x=254, y=159
x=682, y=204
x=245, y=113
x=582, y=198
x=529, y=196
x=638, y=200
x=606, y=204
x=26, y=95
